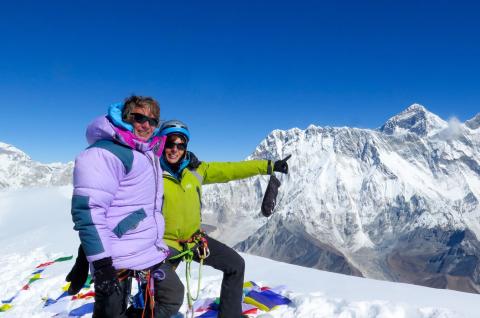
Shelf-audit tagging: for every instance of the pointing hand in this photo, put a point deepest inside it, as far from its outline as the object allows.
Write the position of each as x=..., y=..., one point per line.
x=281, y=165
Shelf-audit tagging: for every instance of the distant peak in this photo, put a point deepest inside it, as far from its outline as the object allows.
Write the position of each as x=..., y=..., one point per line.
x=415, y=119
x=4, y=145
x=473, y=123
x=415, y=108
x=6, y=148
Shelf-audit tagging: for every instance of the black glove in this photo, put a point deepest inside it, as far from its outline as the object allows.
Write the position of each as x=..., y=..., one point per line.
x=105, y=277
x=270, y=196
x=78, y=274
x=194, y=162
x=281, y=165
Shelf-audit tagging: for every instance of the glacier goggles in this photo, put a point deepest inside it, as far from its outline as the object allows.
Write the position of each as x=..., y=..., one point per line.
x=140, y=118
x=180, y=145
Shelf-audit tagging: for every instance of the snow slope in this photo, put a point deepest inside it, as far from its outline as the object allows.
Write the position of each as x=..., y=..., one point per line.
x=35, y=227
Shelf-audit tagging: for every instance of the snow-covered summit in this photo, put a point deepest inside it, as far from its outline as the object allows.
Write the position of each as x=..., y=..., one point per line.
x=12, y=152
x=18, y=170
x=415, y=119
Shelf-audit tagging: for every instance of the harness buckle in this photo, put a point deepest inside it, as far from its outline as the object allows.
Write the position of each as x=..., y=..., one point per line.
x=202, y=249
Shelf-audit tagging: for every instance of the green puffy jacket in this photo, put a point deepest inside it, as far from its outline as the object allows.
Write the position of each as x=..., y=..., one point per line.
x=182, y=198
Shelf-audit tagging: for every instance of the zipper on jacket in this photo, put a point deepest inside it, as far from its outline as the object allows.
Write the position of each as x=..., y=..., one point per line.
x=152, y=161
x=200, y=202
x=155, y=173
x=170, y=177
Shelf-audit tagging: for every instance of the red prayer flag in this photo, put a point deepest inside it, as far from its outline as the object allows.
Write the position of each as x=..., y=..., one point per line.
x=45, y=264
x=252, y=311
x=91, y=293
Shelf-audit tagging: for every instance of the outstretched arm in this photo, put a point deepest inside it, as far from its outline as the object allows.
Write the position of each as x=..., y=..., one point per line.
x=217, y=172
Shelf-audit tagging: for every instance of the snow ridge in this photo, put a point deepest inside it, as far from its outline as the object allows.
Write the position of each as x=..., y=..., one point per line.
x=18, y=170
x=473, y=123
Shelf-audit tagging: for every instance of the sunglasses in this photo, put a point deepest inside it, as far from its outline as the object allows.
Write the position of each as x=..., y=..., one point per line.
x=140, y=118
x=180, y=146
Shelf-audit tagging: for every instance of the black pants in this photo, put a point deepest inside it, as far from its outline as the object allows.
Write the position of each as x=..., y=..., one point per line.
x=168, y=298
x=114, y=305
x=232, y=265
x=168, y=292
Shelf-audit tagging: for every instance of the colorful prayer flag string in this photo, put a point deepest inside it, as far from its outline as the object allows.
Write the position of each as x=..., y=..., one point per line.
x=36, y=275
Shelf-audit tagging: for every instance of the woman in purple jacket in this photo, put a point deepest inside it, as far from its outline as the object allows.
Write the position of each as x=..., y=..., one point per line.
x=116, y=205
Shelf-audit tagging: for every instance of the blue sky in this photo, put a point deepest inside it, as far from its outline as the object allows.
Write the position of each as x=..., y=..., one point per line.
x=232, y=70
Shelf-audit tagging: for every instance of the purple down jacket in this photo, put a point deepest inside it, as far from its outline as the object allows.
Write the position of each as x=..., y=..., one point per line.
x=117, y=198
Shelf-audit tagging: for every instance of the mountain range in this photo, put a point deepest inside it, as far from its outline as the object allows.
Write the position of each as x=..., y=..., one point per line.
x=18, y=170
x=397, y=203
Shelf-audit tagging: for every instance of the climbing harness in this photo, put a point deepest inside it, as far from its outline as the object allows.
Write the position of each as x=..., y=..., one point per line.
x=199, y=244
x=146, y=291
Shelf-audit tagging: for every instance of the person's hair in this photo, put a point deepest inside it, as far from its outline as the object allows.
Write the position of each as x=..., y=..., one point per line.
x=134, y=101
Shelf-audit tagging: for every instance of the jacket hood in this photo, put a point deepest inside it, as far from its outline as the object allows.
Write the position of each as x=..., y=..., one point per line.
x=115, y=117
x=102, y=128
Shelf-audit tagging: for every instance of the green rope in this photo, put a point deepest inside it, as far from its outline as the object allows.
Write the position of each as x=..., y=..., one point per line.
x=180, y=255
x=188, y=258
x=188, y=265
x=187, y=255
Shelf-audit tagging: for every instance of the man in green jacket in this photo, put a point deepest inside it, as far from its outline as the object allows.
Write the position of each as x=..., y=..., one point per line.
x=183, y=177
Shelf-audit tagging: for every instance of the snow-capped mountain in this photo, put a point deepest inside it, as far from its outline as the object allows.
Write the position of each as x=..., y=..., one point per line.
x=398, y=203
x=18, y=170
x=415, y=119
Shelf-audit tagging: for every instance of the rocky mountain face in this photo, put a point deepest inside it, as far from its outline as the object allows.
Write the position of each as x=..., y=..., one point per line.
x=473, y=123
x=399, y=203
x=18, y=170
